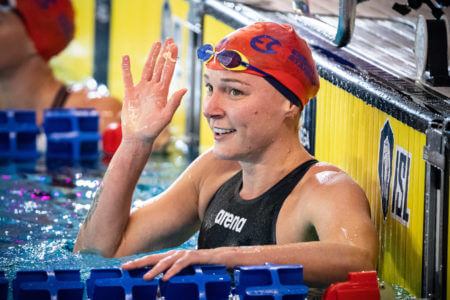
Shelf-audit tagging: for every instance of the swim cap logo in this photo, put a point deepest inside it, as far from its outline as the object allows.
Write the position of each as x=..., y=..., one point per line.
x=44, y=4
x=303, y=64
x=260, y=41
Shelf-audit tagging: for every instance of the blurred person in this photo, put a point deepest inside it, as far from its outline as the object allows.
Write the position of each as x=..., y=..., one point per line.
x=257, y=196
x=31, y=33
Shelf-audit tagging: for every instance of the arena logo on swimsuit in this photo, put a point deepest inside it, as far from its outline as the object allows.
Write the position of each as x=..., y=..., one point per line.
x=230, y=221
x=397, y=197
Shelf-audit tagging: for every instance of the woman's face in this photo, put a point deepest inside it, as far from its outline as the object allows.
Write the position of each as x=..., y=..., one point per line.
x=244, y=112
x=16, y=46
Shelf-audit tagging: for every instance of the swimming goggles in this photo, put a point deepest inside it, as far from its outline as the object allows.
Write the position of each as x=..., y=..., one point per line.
x=236, y=61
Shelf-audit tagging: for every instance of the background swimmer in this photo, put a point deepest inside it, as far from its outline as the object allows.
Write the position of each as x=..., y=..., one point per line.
x=31, y=33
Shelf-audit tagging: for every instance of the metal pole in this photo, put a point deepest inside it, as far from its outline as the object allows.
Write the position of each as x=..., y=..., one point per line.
x=434, y=215
x=194, y=70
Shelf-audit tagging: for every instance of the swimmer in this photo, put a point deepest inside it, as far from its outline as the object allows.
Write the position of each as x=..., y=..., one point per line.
x=31, y=33
x=257, y=195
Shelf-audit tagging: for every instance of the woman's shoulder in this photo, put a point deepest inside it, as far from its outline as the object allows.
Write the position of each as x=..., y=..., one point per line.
x=329, y=183
x=90, y=94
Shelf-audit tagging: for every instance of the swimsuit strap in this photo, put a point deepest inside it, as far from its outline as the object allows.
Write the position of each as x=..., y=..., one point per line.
x=61, y=97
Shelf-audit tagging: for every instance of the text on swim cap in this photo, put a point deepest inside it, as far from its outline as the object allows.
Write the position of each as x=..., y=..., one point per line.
x=303, y=64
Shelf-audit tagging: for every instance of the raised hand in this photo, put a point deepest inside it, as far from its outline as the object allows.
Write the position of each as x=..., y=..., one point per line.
x=146, y=110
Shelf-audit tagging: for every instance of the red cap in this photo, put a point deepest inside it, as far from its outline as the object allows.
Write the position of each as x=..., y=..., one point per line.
x=277, y=50
x=49, y=23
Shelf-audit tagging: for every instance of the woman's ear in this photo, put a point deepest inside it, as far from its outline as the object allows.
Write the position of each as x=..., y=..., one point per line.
x=293, y=110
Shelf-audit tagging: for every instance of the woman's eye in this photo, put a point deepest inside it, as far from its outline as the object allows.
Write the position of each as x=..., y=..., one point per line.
x=235, y=92
x=209, y=88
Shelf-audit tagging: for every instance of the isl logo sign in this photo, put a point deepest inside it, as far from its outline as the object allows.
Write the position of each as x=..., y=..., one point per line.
x=399, y=209
x=397, y=197
x=385, y=156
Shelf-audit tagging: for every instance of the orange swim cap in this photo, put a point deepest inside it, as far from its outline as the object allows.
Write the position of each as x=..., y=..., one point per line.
x=277, y=50
x=49, y=23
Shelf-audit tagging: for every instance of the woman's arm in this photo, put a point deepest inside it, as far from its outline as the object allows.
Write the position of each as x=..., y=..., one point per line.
x=145, y=113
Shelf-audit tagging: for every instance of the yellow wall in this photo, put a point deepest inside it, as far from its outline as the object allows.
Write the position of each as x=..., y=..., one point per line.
x=348, y=135
x=135, y=26
x=75, y=62
x=180, y=9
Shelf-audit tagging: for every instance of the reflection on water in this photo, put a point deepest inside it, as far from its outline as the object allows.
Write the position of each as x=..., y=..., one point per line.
x=42, y=208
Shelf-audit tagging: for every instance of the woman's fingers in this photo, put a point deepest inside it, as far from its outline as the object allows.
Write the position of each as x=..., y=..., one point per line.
x=147, y=72
x=169, y=65
x=148, y=260
x=161, y=60
x=174, y=102
x=185, y=259
x=171, y=262
x=146, y=107
x=126, y=73
x=176, y=267
x=162, y=265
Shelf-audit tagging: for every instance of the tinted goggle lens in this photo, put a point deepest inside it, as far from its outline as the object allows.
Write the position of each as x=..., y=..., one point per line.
x=229, y=59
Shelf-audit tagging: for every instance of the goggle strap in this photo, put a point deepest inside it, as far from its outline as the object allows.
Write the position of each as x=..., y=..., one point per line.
x=284, y=91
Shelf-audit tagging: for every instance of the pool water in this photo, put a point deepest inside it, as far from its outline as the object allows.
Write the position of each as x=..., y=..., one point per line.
x=42, y=207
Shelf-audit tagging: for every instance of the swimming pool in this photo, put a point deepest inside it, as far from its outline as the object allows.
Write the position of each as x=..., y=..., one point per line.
x=43, y=206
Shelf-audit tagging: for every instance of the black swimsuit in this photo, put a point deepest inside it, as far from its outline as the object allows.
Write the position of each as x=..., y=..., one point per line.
x=61, y=97
x=232, y=221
